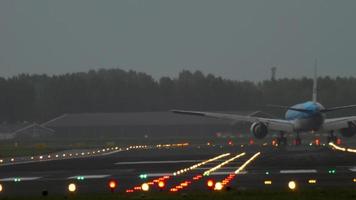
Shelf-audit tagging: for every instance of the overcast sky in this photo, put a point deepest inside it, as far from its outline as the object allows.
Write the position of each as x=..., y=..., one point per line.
x=237, y=39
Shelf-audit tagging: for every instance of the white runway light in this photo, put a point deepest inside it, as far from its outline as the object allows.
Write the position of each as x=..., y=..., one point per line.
x=72, y=187
x=218, y=186
x=145, y=187
x=292, y=185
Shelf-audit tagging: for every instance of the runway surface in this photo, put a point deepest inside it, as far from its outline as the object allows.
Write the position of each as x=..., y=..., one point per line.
x=185, y=169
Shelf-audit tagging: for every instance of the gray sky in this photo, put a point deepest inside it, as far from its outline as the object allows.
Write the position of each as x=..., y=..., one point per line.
x=237, y=39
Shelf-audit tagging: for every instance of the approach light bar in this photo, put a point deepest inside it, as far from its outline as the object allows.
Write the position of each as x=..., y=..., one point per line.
x=179, y=172
x=208, y=172
x=339, y=148
x=231, y=176
x=240, y=169
x=210, y=183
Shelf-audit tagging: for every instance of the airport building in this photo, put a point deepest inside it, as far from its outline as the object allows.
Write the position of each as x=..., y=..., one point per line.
x=163, y=125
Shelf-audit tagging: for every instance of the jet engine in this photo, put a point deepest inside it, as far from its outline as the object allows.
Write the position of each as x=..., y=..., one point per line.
x=259, y=130
x=349, y=131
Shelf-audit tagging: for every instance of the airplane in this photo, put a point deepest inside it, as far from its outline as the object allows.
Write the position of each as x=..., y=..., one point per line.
x=309, y=116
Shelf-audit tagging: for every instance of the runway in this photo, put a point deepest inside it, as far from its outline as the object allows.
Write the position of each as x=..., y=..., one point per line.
x=185, y=169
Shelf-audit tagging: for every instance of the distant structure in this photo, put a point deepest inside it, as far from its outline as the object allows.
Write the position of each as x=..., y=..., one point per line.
x=273, y=73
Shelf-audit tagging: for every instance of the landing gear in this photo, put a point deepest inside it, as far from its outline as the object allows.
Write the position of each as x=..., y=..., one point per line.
x=332, y=138
x=281, y=140
x=298, y=140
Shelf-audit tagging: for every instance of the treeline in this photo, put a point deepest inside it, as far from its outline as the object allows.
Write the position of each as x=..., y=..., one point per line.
x=42, y=97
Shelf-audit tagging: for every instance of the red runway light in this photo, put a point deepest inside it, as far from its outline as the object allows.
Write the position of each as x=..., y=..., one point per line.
x=338, y=141
x=274, y=142
x=296, y=142
x=252, y=141
x=317, y=142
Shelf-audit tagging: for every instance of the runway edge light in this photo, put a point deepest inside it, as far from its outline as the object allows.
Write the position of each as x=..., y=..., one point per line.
x=218, y=186
x=312, y=181
x=210, y=184
x=161, y=185
x=268, y=182
x=72, y=187
x=112, y=184
x=145, y=187
x=292, y=185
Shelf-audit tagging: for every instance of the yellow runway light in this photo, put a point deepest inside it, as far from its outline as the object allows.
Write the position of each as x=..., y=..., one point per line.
x=1, y=188
x=210, y=183
x=312, y=181
x=268, y=182
x=161, y=184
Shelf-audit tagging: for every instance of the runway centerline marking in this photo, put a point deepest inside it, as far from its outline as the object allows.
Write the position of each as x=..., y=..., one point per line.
x=353, y=169
x=19, y=179
x=156, y=162
x=227, y=173
x=90, y=176
x=299, y=171
x=159, y=174
x=222, y=168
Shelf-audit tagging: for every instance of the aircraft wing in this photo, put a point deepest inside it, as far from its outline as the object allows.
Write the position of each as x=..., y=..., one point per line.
x=338, y=123
x=272, y=124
